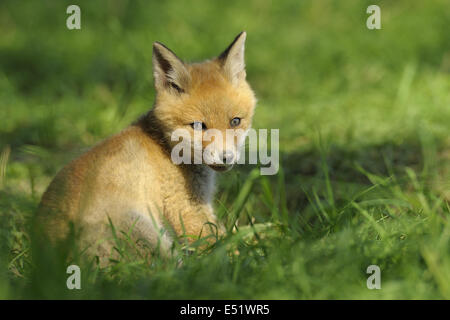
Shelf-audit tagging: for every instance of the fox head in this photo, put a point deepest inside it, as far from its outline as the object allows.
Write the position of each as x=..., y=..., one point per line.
x=209, y=103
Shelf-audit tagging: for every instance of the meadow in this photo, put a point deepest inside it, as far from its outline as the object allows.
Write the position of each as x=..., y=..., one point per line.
x=364, y=120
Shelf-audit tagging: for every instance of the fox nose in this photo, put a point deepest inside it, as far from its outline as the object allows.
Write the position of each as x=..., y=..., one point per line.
x=228, y=157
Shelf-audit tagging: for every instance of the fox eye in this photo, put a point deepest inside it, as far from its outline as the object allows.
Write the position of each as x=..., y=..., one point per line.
x=235, y=122
x=198, y=125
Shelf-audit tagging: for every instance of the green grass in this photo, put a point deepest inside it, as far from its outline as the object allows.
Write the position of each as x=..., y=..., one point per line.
x=364, y=119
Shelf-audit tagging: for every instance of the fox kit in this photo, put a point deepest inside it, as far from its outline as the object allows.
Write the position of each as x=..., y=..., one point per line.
x=130, y=180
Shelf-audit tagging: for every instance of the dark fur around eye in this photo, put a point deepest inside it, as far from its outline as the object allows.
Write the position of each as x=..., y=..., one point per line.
x=173, y=85
x=196, y=124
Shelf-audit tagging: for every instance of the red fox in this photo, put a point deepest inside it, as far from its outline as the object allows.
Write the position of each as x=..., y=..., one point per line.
x=130, y=178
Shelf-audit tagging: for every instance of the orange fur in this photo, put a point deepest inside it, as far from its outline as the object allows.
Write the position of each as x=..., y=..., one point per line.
x=130, y=176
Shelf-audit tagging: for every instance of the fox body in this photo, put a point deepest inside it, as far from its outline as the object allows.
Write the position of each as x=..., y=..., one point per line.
x=130, y=179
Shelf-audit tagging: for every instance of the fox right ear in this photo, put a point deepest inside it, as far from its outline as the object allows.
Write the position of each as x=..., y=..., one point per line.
x=232, y=59
x=169, y=72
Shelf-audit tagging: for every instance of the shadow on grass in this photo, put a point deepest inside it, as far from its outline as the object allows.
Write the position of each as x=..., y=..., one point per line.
x=308, y=171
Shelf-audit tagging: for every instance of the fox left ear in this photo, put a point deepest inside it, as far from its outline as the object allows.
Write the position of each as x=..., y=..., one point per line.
x=169, y=72
x=232, y=59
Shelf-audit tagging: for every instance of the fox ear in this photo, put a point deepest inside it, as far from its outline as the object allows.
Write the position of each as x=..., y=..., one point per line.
x=232, y=59
x=169, y=72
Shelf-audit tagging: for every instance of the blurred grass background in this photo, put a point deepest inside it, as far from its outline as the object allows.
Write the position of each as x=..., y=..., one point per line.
x=364, y=119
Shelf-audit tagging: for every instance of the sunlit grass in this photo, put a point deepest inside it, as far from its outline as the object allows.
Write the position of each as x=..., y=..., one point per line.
x=364, y=139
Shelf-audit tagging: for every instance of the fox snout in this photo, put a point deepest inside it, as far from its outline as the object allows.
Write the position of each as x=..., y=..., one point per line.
x=223, y=152
x=226, y=158
x=227, y=162
x=220, y=159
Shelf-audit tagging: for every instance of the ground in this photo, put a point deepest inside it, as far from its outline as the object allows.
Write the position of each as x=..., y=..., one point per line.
x=364, y=143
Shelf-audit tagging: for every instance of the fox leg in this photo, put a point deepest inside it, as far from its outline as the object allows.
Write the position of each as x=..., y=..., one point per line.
x=144, y=234
x=196, y=221
x=148, y=232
